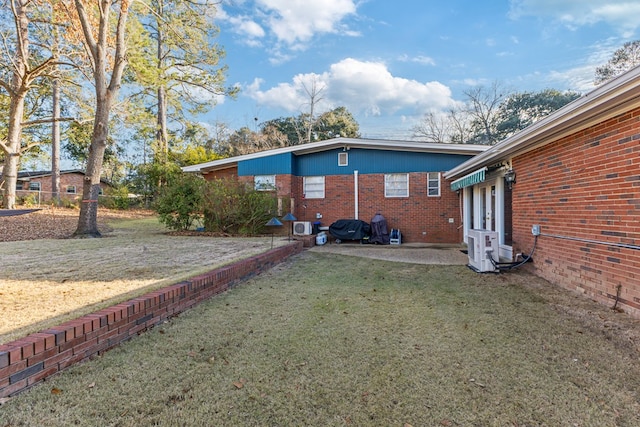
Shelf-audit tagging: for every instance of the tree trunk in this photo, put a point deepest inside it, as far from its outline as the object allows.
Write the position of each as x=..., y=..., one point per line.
x=162, y=155
x=14, y=138
x=88, y=220
x=105, y=94
x=55, y=144
x=16, y=109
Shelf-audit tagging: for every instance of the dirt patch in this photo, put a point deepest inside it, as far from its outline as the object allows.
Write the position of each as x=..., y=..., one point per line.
x=56, y=223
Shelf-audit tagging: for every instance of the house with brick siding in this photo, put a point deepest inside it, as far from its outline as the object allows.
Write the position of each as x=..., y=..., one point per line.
x=577, y=176
x=346, y=178
x=39, y=184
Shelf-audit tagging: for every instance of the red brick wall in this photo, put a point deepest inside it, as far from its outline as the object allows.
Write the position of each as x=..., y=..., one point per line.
x=28, y=361
x=66, y=179
x=585, y=186
x=419, y=218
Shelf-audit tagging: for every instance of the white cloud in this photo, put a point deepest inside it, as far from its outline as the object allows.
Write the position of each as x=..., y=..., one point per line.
x=420, y=59
x=294, y=21
x=244, y=26
x=363, y=87
x=285, y=26
x=620, y=14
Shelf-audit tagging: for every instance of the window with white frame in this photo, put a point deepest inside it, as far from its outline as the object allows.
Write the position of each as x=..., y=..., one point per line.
x=396, y=185
x=313, y=187
x=34, y=186
x=264, y=182
x=71, y=189
x=433, y=184
x=343, y=159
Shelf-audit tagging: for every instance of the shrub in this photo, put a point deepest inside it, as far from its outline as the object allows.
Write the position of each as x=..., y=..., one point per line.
x=116, y=198
x=235, y=208
x=180, y=203
x=29, y=200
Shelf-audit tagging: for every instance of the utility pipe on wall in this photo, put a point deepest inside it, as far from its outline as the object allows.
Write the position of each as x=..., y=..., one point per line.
x=355, y=192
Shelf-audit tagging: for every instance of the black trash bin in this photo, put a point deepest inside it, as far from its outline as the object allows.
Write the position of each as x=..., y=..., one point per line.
x=316, y=227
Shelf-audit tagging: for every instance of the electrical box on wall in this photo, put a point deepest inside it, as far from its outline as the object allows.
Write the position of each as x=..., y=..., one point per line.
x=535, y=229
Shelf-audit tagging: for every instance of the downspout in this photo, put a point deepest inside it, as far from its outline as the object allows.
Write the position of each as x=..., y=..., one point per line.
x=355, y=192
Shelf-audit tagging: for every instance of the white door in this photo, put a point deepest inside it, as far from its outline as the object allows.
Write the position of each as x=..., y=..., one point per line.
x=486, y=196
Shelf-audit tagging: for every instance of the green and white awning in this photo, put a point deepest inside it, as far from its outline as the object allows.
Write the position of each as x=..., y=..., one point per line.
x=468, y=180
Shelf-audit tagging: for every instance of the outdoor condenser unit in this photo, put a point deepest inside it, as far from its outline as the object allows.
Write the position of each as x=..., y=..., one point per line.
x=482, y=247
x=302, y=228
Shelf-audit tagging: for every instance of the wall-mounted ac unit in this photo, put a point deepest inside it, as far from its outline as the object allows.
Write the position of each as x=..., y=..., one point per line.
x=302, y=228
x=482, y=248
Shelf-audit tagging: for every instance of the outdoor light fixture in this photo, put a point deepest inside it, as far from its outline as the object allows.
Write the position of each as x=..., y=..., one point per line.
x=273, y=222
x=510, y=178
x=289, y=217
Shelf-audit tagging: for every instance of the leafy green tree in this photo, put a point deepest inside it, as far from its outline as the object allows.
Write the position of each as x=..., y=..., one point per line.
x=623, y=59
x=233, y=207
x=523, y=109
x=178, y=69
x=181, y=203
x=335, y=123
x=292, y=130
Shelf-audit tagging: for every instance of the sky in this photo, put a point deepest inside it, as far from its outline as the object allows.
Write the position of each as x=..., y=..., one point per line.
x=389, y=63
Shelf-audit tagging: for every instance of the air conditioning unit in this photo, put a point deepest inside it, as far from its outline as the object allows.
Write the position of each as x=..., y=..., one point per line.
x=302, y=228
x=482, y=248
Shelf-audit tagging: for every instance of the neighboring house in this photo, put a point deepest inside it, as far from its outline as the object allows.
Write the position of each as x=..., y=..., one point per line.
x=346, y=178
x=39, y=184
x=577, y=176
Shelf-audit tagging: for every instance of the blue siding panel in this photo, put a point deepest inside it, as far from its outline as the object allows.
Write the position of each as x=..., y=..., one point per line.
x=375, y=161
x=279, y=164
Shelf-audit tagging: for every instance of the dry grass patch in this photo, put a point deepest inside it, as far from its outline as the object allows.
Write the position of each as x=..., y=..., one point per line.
x=45, y=282
x=335, y=340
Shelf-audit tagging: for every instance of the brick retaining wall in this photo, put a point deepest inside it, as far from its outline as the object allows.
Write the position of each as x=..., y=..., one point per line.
x=29, y=360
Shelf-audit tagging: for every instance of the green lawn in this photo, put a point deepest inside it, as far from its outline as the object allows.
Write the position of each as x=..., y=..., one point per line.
x=334, y=340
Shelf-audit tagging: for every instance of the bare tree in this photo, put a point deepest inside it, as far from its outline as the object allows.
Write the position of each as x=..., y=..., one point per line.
x=313, y=92
x=106, y=46
x=450, y=127
x=432, y=128
x=484, y=108
x=19, y=70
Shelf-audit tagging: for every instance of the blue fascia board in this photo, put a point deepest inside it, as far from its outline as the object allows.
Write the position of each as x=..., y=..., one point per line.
x=375, y=161
x=278, y=164
x=365, y=161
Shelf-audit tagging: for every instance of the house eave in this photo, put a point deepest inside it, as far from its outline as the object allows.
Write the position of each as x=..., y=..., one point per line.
x=609, y=100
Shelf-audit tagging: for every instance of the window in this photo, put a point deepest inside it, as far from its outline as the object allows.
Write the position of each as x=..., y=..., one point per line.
x=343, y=159
x=34, y=186
x=19, y=185
x=433, y=184
x=396, y=185
x=313, y=187
x=264, y=182
x=71, y=189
